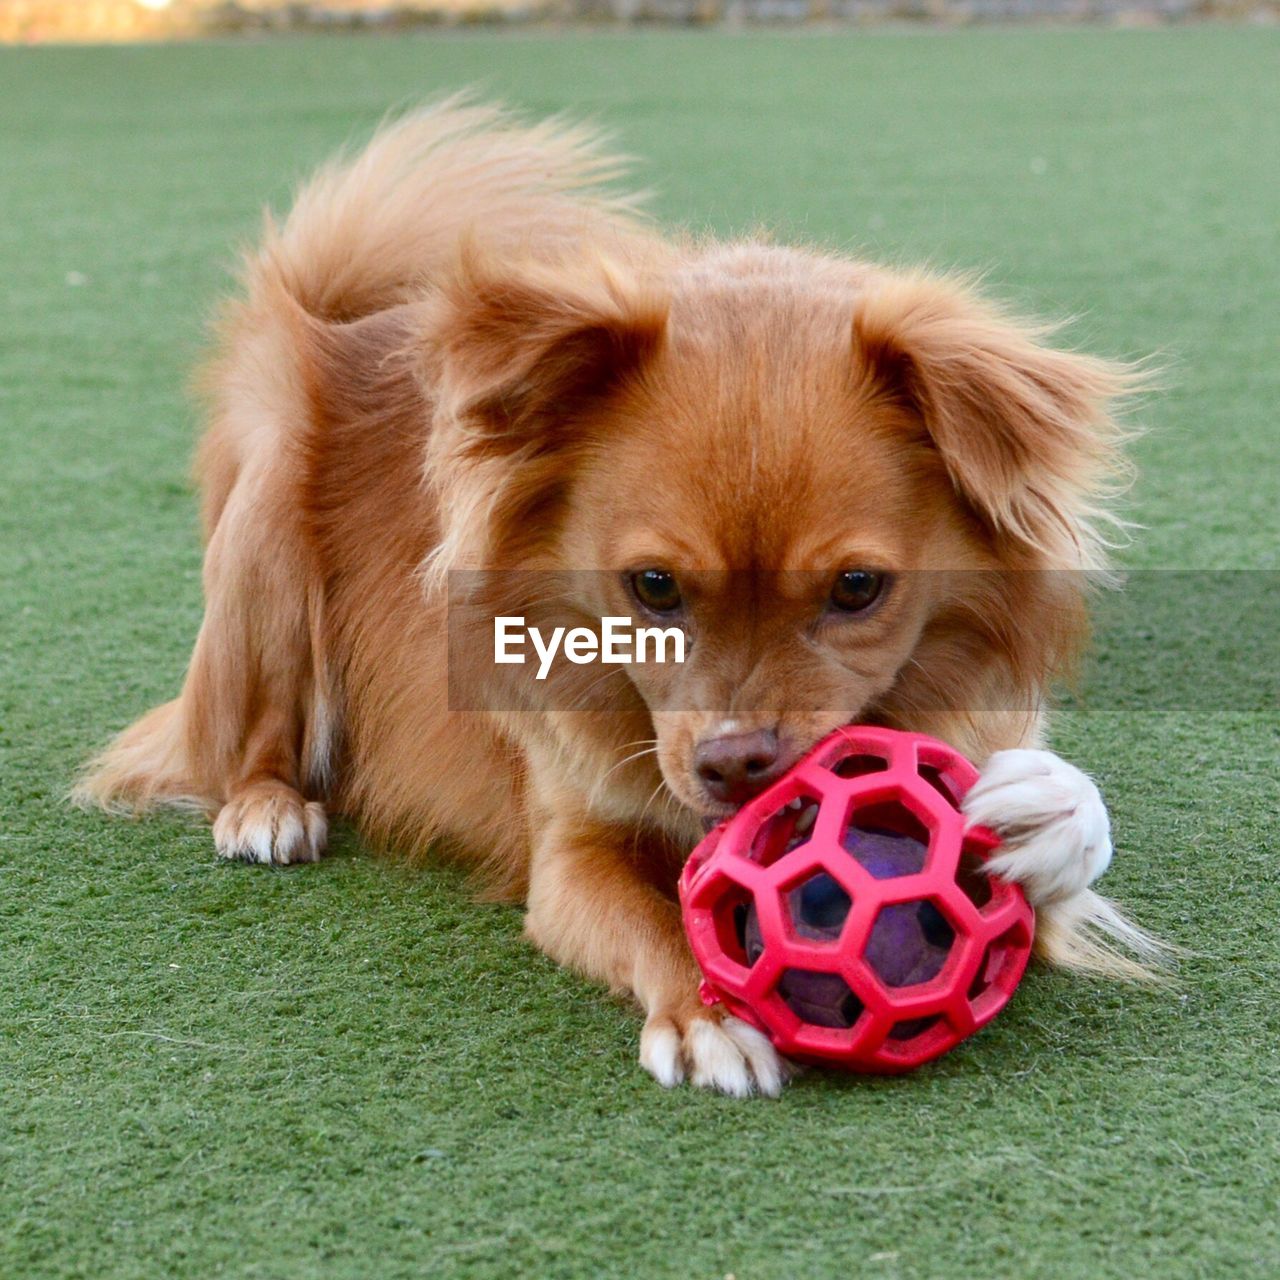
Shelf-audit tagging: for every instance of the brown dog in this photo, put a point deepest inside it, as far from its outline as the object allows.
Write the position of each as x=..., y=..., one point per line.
x=861, y=495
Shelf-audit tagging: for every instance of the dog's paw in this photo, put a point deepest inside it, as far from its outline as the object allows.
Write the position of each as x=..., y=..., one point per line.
x=269, y=822
x=1054, y=830
x=713, y=1050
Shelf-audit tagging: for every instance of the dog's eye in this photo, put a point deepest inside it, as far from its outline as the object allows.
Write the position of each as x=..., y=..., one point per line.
x=856, y=590
x=656, y=589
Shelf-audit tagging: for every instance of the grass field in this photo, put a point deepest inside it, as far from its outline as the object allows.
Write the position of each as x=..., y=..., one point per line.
x=351, y=1071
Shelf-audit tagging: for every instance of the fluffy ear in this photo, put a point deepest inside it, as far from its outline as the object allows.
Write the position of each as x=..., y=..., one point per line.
x=521, y=347
x=1025, y=431
x=522, y=353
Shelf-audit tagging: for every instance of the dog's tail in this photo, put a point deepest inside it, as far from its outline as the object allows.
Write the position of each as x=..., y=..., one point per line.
x=144, y=766
x=366, y=233
x=1090, y=934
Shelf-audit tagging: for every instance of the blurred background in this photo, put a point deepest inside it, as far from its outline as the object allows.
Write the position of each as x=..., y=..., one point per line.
x=32, y=21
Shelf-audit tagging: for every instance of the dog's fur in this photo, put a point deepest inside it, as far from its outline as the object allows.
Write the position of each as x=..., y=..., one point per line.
x=459, y=353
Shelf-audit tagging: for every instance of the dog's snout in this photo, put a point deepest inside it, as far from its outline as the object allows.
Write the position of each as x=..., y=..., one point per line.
x=737, y=766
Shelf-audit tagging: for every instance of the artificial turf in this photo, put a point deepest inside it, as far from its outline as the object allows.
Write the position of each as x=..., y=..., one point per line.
x=349, y=1070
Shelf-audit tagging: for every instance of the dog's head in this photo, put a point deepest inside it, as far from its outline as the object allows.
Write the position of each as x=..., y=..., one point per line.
x=860, y=494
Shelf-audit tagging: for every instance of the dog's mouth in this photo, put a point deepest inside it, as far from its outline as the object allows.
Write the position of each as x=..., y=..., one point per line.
x=711, y=815
x=708, y=813
x=717, y=815
x=803, y=823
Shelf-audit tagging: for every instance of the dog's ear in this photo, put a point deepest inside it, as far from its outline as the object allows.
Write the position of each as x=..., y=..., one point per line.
x=523, y=354
x=1025, y=431
x=522, y=347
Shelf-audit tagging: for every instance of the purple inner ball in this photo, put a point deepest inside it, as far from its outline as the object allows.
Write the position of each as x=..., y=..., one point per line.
x=886, y=854
x=909, y=941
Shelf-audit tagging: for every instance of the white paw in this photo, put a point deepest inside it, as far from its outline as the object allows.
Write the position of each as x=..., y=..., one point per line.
x=713, y=1051
x=1054, y=830
x=270, y=823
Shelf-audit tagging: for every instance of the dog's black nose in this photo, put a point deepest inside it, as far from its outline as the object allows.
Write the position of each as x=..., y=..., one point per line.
x=736, y=767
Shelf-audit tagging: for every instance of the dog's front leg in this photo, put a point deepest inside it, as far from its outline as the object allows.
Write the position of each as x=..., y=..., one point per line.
x=591, y=908
x=1055, y=842
x=1054, y=829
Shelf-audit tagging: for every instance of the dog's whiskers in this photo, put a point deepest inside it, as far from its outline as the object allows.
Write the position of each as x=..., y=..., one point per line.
x=635, y=755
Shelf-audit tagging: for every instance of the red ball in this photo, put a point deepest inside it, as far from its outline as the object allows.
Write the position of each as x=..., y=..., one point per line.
x=845, y=911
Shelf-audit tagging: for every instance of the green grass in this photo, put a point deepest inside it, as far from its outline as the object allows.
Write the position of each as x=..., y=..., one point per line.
x=351, y=1071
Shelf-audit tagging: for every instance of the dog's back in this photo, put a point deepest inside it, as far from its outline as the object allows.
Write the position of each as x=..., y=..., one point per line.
x=301, y=361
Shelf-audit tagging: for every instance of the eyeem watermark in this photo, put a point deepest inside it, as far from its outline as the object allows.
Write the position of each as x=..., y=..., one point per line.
x=545, y=640
x=618, y=641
